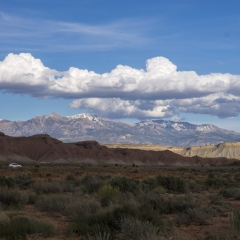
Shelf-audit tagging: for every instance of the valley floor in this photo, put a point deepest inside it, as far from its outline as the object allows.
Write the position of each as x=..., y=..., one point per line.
x=119, y=202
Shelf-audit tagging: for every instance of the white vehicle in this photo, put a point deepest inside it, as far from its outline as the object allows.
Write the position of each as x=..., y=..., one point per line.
x=15, y=165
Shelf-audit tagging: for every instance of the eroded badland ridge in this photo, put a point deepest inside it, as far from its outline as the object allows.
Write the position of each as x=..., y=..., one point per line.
x=82, y=127
x=45, y=149
x=225, y=150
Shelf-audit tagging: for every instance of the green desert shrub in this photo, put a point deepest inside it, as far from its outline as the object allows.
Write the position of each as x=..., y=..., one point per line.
x=214, y=197
x=6, y=181
x=215, y=180
x=196, y=186
x=231, y=193
x=4, y=220
x=13, y=198
x=149, y=183
x=125, y=184
x=19, y=226
x=46, y=187
x=99, y=236
x=141, y=212
x=126, y=198
x=68, y=186
x=54, y=203
x=172, y=205
x=172, y=184
x=98, y=233
x=70, y=178
x=91, y=184
x=237, y=177
x=21, y=181
x=135, y=229
x=212, y=181
x=160, y=190
x=107, y=193
x=32, y=197
x=235, y=221
x=70, y=183
x=85, y=223
x=156, y=193
x=228, y=176
x=193, y=215
x=84, y=206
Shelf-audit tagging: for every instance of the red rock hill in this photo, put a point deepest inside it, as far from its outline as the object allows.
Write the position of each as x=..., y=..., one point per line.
x=43, y=148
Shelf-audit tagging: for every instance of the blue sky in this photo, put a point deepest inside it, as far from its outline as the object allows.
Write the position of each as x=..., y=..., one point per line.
x=131, y=60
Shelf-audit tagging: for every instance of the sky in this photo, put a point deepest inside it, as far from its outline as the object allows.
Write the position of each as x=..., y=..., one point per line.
x=129, y=60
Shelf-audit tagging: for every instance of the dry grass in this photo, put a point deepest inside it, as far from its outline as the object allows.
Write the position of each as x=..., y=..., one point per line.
x=106, y=201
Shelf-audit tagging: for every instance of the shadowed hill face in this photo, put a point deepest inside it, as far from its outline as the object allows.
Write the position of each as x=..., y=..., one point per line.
x=43, y=148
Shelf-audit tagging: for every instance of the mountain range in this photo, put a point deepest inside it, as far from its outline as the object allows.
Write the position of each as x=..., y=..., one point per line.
x=82, y=127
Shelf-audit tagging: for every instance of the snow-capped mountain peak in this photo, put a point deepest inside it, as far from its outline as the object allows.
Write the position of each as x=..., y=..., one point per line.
x=90, y=117
x=206, y=128
x=81, y=115
x=91, y=127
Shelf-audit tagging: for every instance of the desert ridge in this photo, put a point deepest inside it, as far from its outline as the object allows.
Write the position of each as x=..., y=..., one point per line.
x=222, y=150
x=43, y=148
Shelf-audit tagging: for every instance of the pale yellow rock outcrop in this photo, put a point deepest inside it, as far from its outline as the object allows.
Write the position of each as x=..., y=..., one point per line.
x=227, y=149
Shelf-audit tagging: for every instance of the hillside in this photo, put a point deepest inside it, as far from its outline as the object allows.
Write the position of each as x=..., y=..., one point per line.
x=43, y=148
x=228, y=150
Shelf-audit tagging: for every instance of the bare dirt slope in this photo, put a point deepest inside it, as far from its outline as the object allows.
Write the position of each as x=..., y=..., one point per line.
x=43, y=148
x=228, y=150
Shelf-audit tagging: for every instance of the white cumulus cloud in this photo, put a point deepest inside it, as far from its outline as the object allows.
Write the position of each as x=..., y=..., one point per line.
x=155, y=92
x=219, y=104
x=118, y=108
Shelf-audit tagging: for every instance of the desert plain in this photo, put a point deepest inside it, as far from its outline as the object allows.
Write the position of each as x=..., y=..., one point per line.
x=85, y=190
